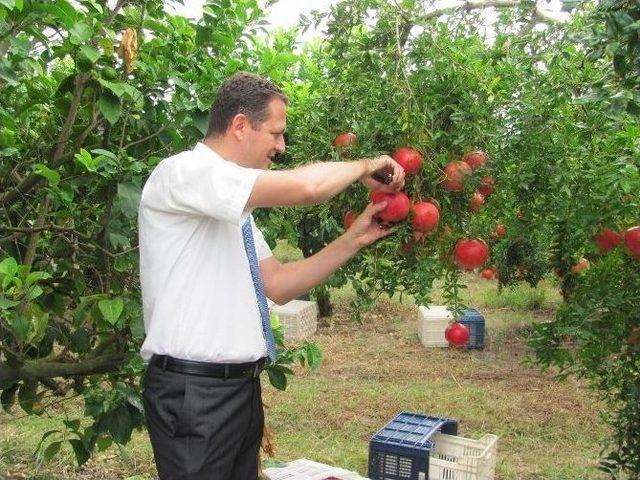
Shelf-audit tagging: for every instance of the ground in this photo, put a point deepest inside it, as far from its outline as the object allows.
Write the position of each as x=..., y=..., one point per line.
x=547, y=428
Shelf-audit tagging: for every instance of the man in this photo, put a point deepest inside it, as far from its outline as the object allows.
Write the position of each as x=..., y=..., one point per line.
x=205, y=271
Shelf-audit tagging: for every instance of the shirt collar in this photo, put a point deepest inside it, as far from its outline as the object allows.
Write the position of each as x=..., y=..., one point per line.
x=202, y=149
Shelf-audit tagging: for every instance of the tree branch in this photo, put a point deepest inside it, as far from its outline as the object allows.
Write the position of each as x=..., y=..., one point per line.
x=467, y=5
x=39, y=369
x=56, y=154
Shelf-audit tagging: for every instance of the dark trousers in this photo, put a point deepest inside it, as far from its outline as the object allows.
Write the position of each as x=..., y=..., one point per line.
x=203, y=428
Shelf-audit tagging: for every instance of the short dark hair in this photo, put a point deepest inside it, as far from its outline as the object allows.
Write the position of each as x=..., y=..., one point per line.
x=246, y=93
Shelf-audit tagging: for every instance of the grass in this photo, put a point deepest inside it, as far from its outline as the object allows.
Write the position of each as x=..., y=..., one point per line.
x=548, y=429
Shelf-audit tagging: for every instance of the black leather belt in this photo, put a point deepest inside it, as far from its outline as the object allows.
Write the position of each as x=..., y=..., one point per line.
x=206, y=369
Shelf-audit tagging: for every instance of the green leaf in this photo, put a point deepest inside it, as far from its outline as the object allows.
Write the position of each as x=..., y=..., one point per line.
x=85, y=159
x=9, y=267
x=277, y=378
x=92, y=54
x=60, y=9
x=34, y=277
x=80, y=451
x=79, y=33
x=314, y=355
x=200, y=120
x=111, y=310
x=46, y=172
x=27, y=395
x=52, y=449
x=103, y=443
x=5, y=303
x=129, y=198
x=117, y=88
x=20, y=325
x=119, y=424
x=8, y=397
x=109, y=106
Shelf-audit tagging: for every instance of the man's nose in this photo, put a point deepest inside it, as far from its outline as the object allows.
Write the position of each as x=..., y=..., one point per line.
x=281, y=145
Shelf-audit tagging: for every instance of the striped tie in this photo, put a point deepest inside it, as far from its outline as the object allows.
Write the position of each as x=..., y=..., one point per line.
x=249, y=245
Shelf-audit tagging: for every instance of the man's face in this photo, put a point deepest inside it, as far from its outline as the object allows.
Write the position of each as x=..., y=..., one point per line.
x=263, y=141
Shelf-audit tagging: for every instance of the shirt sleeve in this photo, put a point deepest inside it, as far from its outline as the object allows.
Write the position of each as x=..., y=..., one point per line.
x=262, y=248
x=189, y=184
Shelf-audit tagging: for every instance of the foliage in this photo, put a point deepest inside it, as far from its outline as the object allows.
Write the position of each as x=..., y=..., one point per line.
x=91, y=98
x=85, y=120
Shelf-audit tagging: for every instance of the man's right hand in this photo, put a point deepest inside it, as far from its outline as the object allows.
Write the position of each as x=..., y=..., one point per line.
x=366, y=230
x=388, y=166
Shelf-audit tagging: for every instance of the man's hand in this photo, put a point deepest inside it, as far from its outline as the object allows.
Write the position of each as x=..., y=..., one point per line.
x=365, y=230
x=386, y=165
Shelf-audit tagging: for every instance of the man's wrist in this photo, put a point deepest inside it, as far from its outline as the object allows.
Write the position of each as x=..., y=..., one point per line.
x=366, y=165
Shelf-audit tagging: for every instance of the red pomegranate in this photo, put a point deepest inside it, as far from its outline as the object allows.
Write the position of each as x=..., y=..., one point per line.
x=487, y=274
x=632, y=241
x=409, y=159
x=486, y=186
x=457, y=334
x=398, y=205
x=476, y=202
x=425, y=217
x=470, y=253
x=607, y=240
x=475, y=159
x=455, y=175
x=345, y=140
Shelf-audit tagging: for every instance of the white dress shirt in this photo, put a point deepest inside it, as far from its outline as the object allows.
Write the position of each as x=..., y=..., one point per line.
x=199, y=301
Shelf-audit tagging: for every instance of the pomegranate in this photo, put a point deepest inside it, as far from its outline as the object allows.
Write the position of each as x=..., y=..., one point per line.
x=475, y=159
x=457, y=334
x=581, y=266
x=398, y=205
x=487, y=274
x=486, y=186
x=632, y=241
x=607, y=240
x=477, y=200
x=409, y=159
x=455, y=175
x=425, y=217
x=345, y=140
x=470, y=253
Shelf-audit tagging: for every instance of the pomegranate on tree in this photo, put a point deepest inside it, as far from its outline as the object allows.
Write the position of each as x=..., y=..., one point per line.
x=487, y=274
x=607, y=240
x=409, y=159
x=477, y=200
x=398, y=205
x=455, y=175
x=470, y=253
x=486, y=186
x=632, y=241
x=581, y=266
x=457, y=334
x=475, y=159
x=425, y=217
x=345, y=140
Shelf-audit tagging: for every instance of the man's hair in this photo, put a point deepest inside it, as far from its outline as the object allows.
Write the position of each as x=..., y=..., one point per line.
x=246, y=93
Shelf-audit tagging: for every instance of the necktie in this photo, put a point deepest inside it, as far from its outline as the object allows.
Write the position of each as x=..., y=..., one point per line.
x=249, y=245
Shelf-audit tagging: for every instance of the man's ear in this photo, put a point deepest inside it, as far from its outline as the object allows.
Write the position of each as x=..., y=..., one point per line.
x=239, y=125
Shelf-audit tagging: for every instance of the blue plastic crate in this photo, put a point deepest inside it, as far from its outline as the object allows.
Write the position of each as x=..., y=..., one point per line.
x=400, y=450
x=474, y=321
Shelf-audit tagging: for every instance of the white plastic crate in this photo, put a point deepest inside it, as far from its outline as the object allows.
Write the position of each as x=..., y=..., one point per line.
x=432, y=322
x=458, y=458
x=299, y=319
x=304, y=469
